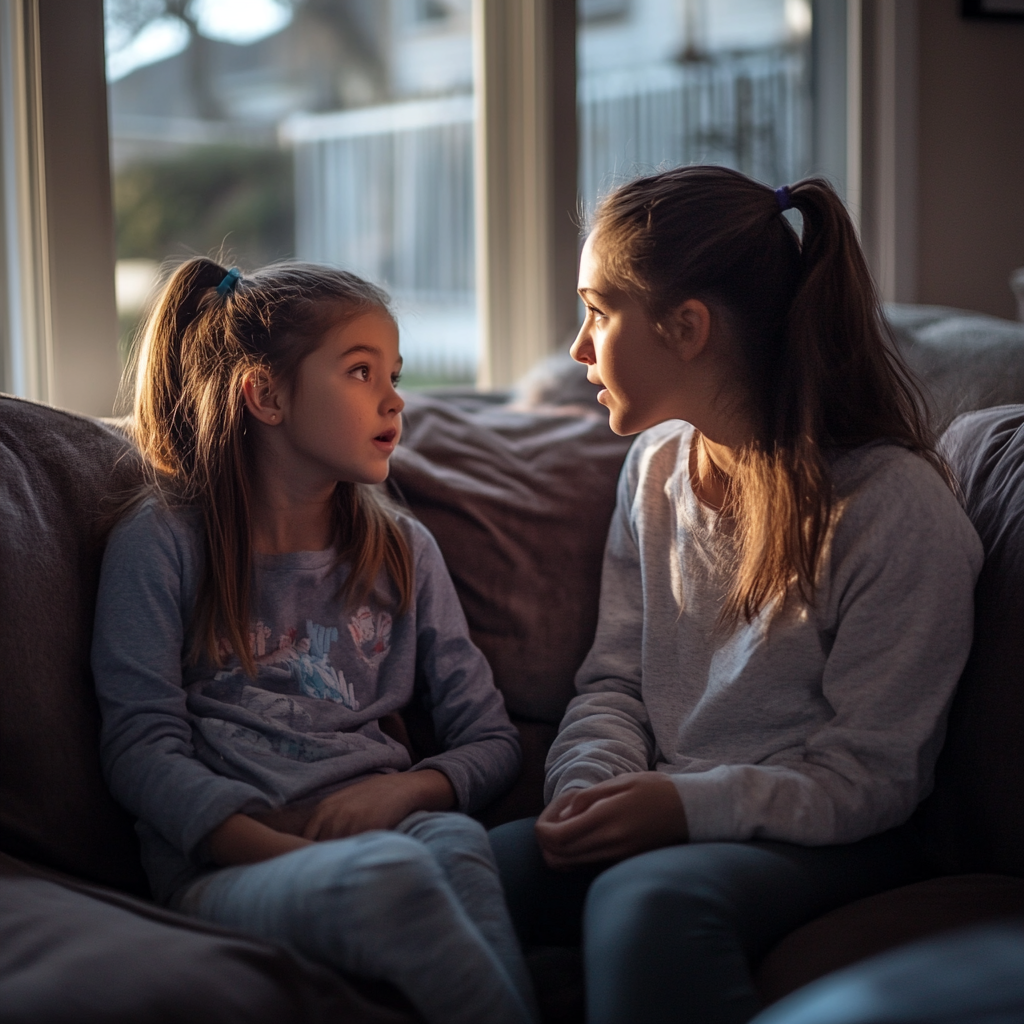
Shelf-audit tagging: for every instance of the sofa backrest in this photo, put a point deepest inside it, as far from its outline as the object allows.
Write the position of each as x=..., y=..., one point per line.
x=974, y=819
x=966, y=360
x=55, y=470
x=519, y=503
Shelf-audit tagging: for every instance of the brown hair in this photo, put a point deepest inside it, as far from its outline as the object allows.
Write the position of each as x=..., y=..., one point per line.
x=197, y=347
x=818, y=370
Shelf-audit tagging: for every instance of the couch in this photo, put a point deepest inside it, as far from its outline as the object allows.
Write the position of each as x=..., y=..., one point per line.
x=518, y=489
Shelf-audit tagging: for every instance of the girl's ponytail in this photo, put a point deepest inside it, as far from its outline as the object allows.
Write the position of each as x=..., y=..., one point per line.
x=164, y=424
x=811, y=355
x=188, y=423
x=844, y=383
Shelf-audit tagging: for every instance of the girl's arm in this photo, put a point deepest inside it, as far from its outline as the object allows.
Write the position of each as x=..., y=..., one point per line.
x=605, y=732
x=379, y=802
x=146, y=585
x=243, y=840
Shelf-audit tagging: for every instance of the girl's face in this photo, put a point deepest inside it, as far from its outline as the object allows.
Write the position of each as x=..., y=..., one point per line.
x=342, y=419
x=637, y=367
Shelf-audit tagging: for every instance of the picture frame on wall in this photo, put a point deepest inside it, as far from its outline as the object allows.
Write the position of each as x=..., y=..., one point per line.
x=993, y=10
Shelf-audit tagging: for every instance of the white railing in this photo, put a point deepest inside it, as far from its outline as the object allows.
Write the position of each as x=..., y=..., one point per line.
x=388, y=191
x=750, y=111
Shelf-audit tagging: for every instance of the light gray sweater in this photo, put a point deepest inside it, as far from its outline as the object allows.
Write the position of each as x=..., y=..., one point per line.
x=823, y=728
x=185, y=747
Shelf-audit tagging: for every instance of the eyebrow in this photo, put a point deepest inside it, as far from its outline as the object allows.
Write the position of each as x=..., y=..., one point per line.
x=369, y=350
x=593, y=291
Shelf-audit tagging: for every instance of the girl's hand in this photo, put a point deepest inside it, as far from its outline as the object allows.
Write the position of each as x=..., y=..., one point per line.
x=243, y=840
x=613, y=820
x=380, y=801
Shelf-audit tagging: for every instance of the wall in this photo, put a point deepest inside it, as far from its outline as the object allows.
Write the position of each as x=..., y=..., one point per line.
x=970, y=159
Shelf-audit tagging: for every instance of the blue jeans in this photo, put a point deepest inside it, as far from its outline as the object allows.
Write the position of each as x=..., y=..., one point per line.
x=670, y=935
x=420, y=907
x=971, y=977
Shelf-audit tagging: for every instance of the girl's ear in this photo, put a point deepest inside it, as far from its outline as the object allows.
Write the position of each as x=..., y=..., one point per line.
x=689, y=327
x=262, y=398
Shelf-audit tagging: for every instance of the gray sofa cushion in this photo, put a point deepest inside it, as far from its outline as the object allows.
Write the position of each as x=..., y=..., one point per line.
x=879, y=923
x=974, y=820
x=55, y=469
x=967, y=360
x=74, y=954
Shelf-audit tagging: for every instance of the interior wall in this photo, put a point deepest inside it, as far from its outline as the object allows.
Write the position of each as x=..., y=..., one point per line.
x=970, y=159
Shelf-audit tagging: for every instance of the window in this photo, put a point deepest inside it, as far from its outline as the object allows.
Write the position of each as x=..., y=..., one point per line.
x=254, y=124
x=601, y=10
x=338, y=131
x=672, y=83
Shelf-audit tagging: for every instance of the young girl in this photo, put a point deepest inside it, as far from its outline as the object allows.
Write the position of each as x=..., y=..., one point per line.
x=786, y=603
x=263, y=615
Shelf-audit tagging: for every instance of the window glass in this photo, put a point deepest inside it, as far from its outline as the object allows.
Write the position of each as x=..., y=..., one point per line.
x=663, y=83
x=339, y=131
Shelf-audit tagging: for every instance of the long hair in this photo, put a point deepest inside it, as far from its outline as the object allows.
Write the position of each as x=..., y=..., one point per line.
x=816, y=367
x=189, y=422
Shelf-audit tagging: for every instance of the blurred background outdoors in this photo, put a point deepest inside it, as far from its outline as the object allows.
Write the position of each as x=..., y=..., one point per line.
x=341, y=131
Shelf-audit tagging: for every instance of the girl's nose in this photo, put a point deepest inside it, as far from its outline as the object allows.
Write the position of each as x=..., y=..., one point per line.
x=582, y=349
x=394, y=401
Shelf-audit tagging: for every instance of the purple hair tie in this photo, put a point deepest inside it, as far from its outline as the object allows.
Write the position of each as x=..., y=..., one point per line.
x=782, y=196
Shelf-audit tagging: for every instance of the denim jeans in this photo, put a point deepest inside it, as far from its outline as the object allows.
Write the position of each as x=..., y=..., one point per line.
x=420, y=907
x=670, y=935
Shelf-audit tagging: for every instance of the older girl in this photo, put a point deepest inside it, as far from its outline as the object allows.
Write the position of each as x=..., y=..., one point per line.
x=263, y=615
x=786, y=603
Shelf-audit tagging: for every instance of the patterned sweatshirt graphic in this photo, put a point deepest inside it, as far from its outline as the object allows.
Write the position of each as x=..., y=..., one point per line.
x=306, y=661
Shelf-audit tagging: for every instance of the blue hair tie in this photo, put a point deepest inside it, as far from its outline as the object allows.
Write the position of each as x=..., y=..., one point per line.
x=231, y=278
x=782, y=196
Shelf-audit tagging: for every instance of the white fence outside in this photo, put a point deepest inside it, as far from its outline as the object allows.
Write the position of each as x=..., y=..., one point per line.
x=388, y=191
x=750, y=111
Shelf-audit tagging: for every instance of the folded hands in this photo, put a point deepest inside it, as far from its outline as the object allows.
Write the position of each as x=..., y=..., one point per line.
x=612, y=820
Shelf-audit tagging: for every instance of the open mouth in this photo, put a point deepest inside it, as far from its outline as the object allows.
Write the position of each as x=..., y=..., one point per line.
x=387, y=438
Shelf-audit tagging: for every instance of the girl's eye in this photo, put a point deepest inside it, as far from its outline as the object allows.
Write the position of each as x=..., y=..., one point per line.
x=595, y=312
x=395, y=378
x=361, y=372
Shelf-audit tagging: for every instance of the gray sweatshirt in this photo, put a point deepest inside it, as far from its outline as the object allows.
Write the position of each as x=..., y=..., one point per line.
x=184, y=748
x=823, y=728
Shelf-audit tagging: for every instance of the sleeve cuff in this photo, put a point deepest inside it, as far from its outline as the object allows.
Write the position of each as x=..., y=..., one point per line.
x=709, y=810
x=234, y=798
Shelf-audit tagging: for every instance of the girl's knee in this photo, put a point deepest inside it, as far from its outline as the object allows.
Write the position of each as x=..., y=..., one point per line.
x=447, y=833
x=385, y=862
x=661, y=884
x=443, y=822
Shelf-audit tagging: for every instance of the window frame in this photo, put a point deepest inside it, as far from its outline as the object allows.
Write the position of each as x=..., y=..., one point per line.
x=60, y=319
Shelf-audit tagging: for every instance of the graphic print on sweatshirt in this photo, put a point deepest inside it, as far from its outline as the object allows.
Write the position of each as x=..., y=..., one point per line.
x=303, y=665
x=371, y=634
